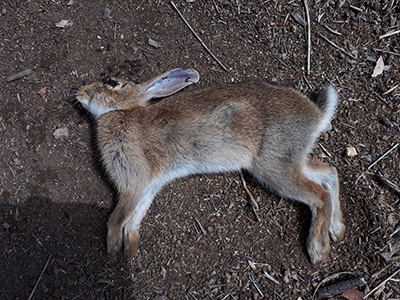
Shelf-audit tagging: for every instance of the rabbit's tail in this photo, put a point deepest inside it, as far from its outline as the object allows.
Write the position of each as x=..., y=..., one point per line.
x=327, y=101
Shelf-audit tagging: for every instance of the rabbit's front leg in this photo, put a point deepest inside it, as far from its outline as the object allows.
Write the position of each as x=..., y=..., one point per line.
x=123, y=226
x=116, y=234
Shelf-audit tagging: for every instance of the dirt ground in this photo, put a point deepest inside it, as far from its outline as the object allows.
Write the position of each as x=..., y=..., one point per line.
x=55, y=199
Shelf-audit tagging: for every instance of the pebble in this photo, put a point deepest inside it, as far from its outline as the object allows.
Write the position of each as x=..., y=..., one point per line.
x=107, y=13
x=61, y=132
x=351, y=151
x=154, y=44
x=64, y=24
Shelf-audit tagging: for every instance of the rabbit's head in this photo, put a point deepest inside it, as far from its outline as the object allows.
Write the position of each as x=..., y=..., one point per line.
x=120, y=94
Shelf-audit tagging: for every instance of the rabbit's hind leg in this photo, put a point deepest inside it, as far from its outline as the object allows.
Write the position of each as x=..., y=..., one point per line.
x=290, y=181
x=328, y=178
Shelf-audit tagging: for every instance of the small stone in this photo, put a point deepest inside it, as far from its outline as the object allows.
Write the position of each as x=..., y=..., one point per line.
x=64, y=24
x=163, y=272
x=3, y=11
x=107, y=13
x=61, y=132
x=351, y=151
x=154, y=44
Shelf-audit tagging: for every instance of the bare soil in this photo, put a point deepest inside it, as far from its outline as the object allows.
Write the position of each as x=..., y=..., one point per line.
x=55, y=199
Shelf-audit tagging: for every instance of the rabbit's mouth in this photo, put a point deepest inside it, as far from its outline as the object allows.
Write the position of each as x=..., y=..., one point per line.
x=94, y=107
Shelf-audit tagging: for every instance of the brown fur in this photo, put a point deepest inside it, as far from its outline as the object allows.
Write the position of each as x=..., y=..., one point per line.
x=268, y=130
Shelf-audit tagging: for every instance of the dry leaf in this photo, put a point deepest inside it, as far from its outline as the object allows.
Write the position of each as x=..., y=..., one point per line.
x=42, y=93
x=64, y=264
x=379, y=67
x=352, y=295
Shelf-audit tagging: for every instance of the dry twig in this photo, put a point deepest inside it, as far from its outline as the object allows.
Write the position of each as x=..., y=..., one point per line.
x=383, y=156
x=271, y=278
x=252, y=202
x=308, y=37
x=326, y=151
x=389, y=34
x=391, y=90
x=384, y=51
x=198, y=38
x=390, y=184
x=337, y=47
x=256, y=286
x=382, y=283
x=40, y=277
x=19, y=75
x=201, y=227
x=331, y=30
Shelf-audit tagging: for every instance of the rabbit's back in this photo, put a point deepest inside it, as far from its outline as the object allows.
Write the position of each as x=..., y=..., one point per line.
x=226, y=125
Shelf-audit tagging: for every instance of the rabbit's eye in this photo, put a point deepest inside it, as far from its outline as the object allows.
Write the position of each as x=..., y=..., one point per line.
x=111, y=83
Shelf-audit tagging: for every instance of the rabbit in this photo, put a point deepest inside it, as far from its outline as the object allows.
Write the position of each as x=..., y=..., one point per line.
x=268, y=130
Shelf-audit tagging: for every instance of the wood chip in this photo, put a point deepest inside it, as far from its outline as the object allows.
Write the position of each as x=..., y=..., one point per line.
x=19, y=75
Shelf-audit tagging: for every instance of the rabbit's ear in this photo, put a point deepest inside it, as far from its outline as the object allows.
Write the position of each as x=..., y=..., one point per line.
x=166, y=84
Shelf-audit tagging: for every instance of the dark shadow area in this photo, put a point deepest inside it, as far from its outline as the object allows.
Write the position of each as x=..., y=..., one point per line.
x=73, y=236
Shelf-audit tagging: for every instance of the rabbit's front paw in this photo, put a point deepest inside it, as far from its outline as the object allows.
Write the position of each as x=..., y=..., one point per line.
x=318, y=249
x=114, y=239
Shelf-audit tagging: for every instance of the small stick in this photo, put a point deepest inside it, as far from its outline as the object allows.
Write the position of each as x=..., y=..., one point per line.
x=271, y=278
x=337, y=47
x=382, y=283
x=19, y=75
x=253, y=202
x=248, y=218
x=309, y=85
x=390, y=184
x=326, y=151
x=331, y=30
x=227, y=295
x=308, y=37
x=201, y=227
x=40, y=277
x=388, y=52
x=217, y=9
x=389, y=34
x=391, y=90
x=356, y=8
x=380, y=98
x=383, y=156
x=139, y=5
x=198, y=38
x=255, y=285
